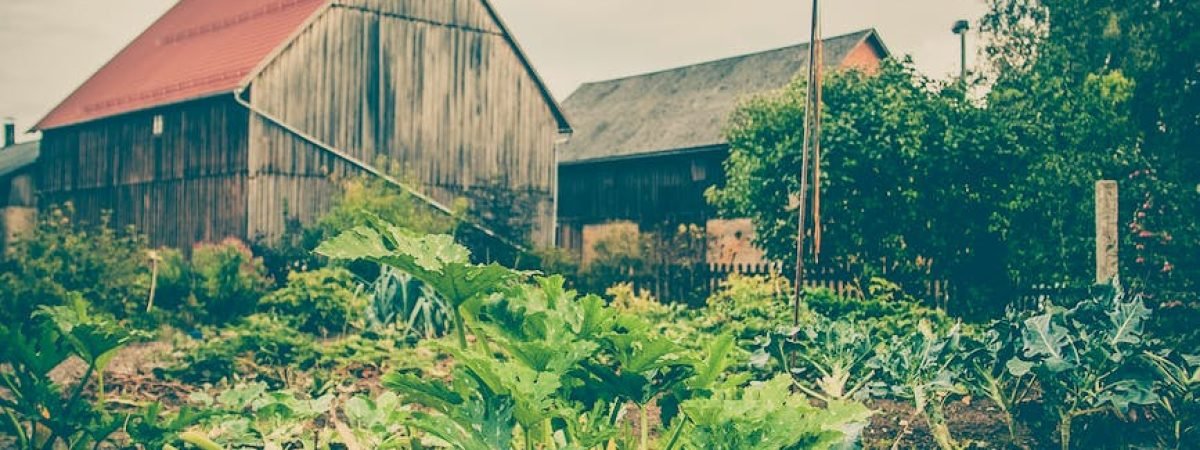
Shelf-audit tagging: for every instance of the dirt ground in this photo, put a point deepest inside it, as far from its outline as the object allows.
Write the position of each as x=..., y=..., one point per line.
x=976, y=423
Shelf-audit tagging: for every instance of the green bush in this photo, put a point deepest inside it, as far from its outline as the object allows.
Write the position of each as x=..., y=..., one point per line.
x=229, y=280
x=62, y=257
x=886, y=311
x=323, y=302
x=250, y=348
x=749, y=306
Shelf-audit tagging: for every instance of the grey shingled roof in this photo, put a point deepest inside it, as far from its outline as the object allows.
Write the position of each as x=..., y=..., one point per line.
x=18, y=157
x=682, y=108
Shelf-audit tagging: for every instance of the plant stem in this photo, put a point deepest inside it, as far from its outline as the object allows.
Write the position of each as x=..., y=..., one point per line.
x=675, y=434
x=459, y=328
x=1064, y=432
x=645, y=429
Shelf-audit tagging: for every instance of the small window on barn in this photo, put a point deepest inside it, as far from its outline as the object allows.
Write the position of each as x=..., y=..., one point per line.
x=158, y=124
x=699, y=171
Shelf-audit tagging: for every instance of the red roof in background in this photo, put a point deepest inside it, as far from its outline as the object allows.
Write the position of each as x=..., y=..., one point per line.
x=198, y=48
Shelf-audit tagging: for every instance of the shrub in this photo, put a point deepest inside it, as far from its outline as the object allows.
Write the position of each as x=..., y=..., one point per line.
x=229, y=280
x=323, y=302
x=106, y=267
x=886, y=311
x=749, y=306
x=249, y=348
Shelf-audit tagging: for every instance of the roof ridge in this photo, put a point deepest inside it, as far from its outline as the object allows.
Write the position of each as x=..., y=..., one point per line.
x=865, y=32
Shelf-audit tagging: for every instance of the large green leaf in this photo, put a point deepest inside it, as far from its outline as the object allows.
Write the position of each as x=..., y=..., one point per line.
x=435, y=260
x=1128, y=321
x=1047, y=341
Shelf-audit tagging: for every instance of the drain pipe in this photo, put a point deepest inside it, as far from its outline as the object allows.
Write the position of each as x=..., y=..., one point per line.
x=237, y=95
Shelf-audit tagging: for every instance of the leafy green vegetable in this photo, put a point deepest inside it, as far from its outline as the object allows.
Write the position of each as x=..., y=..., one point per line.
x=766, y=416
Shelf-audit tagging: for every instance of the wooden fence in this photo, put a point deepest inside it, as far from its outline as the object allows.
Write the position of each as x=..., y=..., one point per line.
x=693, y=283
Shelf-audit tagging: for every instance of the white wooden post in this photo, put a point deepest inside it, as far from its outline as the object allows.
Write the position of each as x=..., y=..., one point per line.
x=1107, y=238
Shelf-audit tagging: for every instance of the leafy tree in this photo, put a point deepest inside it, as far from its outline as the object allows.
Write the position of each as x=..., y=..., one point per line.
x=1067, y=45
x=994, y=194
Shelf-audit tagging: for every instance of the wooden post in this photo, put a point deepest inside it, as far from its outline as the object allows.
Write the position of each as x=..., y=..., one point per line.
x=1107, y=239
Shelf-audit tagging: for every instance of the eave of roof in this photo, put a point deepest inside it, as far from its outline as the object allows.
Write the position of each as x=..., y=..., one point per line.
x=197, y=49
x=17, y=157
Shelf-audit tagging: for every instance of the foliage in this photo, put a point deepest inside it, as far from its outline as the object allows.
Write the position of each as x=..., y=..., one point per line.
x=921, y=369
x=1179, y=396
x=992, y=195
x=64, y=258
x=434, y=259
x=886, y=314
x=229, y=280
x=1086, y=359
x=985, y=366
x=322, y=302
x=397, y=300
x=831, y=360
x=252, y=347
x=766, y=416
x=748, y=306
x=251, y=416
x=546, y=367
x=1041, y=53
x=39, y=412
x=358, y=199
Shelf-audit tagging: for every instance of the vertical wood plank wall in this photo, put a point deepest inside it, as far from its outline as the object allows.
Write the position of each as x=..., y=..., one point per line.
x=185, y=186
x=432, y=85
x=651, y=191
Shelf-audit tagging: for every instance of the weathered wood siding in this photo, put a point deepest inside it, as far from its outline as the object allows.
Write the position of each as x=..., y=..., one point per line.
x=433, y=86
x=184, y=186
x=651, y=191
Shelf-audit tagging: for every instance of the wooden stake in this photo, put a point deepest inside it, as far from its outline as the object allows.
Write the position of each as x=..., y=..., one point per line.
x=809, y=122
x=1106, y=231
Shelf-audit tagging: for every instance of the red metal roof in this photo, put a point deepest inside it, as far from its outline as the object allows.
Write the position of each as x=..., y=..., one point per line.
x=198, y=48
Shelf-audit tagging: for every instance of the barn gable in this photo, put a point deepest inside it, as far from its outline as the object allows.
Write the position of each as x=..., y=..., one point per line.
x=686, y=108
x=438, y=87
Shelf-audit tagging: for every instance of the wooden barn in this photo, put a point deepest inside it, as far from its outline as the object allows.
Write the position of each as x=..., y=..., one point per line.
x=646, y=147
x=225, y=116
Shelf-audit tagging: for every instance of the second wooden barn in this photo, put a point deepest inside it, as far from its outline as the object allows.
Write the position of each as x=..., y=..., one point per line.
x=227, y=117
x=646, y=147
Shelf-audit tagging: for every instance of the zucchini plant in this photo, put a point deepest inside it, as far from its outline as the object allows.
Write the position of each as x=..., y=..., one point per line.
x=40, y=413
x=547, y=369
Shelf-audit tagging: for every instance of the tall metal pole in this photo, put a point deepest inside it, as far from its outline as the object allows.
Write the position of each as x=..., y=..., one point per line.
x=802, y=204
x=960, y=28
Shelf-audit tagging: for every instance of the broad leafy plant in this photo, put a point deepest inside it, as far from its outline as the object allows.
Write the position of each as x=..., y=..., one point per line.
x=435, y=260
x=921, y=369
x=548, y=369
x=987, y=374
x=831, y=360
x=767, y=416
x=40, y=413
x=1086, y=359
x=1179, y=396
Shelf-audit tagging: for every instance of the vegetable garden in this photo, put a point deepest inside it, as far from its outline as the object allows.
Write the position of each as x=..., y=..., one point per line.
x=440, y=352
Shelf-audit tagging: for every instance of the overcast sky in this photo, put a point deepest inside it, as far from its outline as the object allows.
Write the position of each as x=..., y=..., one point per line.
x=49, y=47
